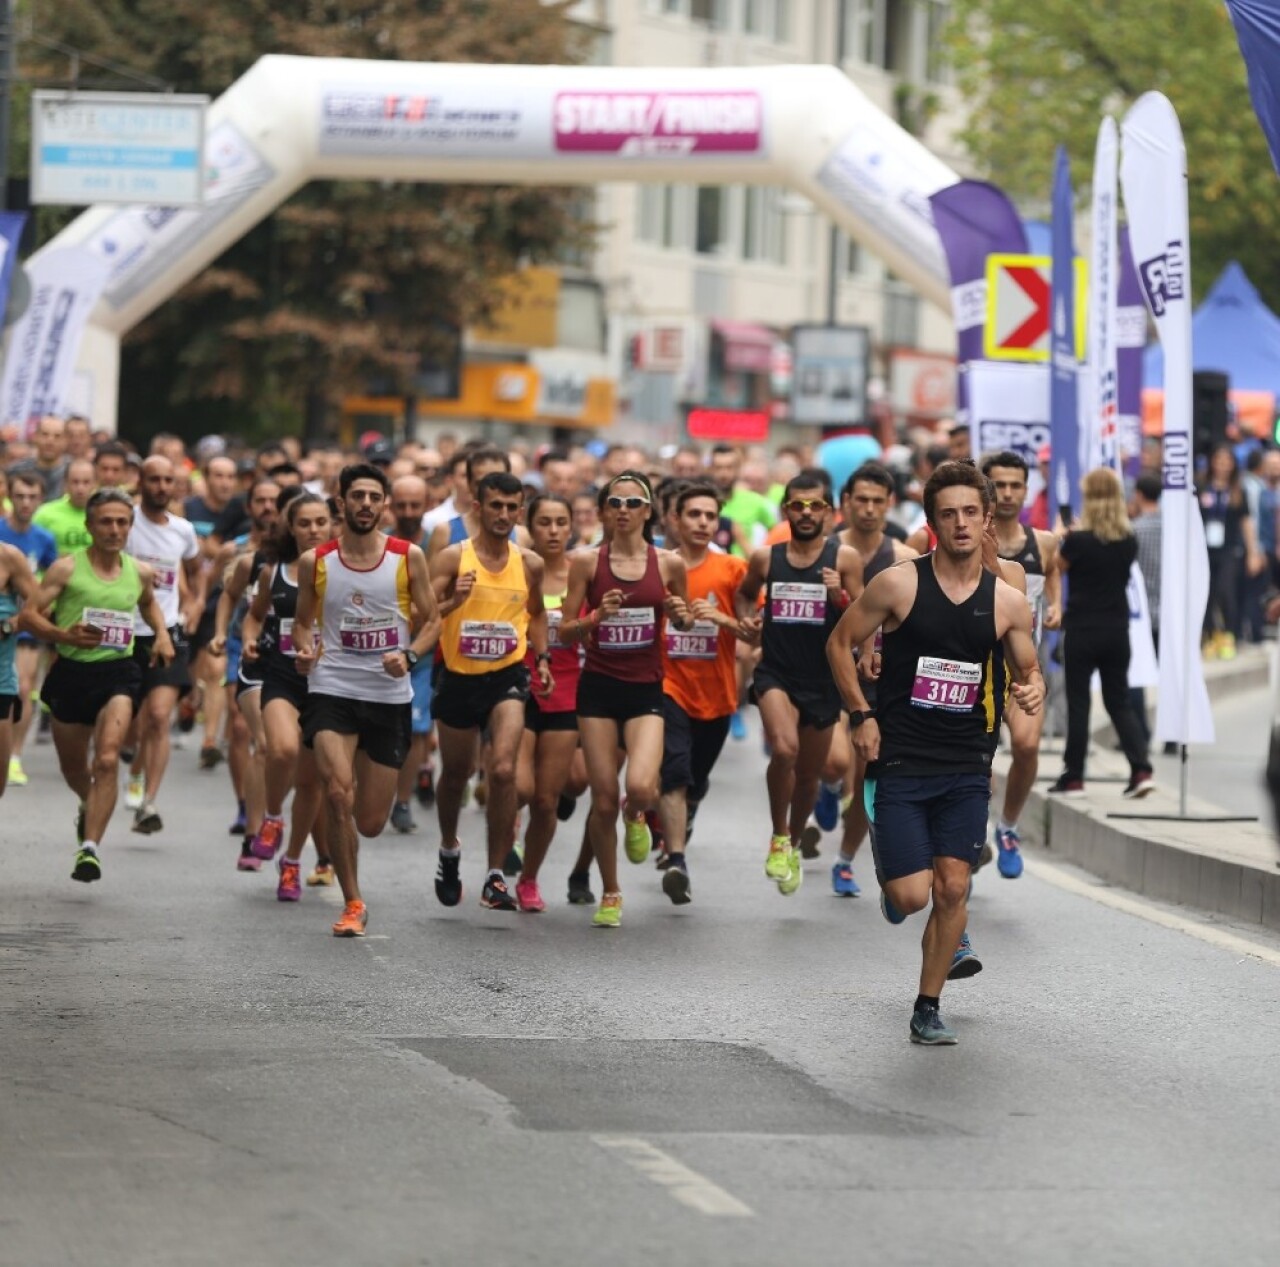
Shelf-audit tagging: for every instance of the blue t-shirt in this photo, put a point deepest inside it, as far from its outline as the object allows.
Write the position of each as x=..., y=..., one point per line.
x=36, y=543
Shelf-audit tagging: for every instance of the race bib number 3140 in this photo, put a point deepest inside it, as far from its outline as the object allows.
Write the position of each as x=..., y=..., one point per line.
x=951, y=685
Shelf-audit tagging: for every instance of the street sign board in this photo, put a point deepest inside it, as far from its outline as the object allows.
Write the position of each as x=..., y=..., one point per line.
x=1018, y=307
x=118, y=147
x=829, y=374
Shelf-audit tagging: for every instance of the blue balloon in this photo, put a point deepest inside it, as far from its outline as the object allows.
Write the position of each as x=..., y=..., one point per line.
x=842, y=455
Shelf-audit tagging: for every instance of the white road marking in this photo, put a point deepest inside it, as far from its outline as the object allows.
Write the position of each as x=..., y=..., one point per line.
x=1098, y=892
x=685, y=1185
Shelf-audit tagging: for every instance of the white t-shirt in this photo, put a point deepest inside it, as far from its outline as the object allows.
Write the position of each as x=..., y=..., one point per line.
x=440, y=515
x=163, y=547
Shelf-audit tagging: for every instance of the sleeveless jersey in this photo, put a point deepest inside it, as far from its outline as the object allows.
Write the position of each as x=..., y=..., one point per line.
x=109, y=605
x=363, y=614
x=8, y=643
x=566, y=663
x=1033, y=566
x=490, y=630
x=940, y=690
x=277, y=629
x=627, y=646
x=798, y=616
x=883, y=558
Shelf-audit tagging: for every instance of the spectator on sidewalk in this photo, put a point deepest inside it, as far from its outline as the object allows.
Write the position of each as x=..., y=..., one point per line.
x=1229, y=534
x=1097, y=558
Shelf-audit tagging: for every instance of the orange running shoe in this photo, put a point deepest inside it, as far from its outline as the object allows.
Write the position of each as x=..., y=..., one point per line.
x=355, y=915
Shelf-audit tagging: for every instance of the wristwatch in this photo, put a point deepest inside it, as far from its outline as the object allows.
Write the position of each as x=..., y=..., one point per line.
x=859, y=715
x=543, y=657
x=411, y=657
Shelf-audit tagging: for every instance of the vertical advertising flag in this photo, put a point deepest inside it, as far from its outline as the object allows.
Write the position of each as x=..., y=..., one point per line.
x=1064, y=370
x=1131, y=340
x=45, y=341
x=1153, y=174
x=974, y=219
x=1103, y=437
x=1257, y=24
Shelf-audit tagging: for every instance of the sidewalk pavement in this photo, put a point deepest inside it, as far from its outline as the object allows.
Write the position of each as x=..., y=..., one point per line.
x=1231, y=868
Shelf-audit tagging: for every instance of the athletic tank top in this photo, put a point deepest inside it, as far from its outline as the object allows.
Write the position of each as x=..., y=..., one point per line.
x=8, y=644
x=363, y=614
x=566, y=662
x=1033, y=566
x=277, y=629
x=490, y=630
x=457, y=530
x=89, y=599
x=883, y=558
x=627, y=646
x=798, y=616
x=939, y=696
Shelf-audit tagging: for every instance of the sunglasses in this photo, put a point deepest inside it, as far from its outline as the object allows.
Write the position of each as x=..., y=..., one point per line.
x=799, y=505
x=631, y=503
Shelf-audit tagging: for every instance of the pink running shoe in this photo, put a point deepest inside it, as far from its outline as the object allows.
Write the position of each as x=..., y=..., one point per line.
x=290, y=887
x=246, y=861
x=266, y=844
x=529, y=898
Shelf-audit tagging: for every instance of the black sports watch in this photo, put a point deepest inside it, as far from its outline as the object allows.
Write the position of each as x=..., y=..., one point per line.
x=411, y=657
x=859, y=715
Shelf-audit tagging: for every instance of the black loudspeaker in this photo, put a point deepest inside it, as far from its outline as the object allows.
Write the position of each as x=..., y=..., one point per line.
x=1209, y=411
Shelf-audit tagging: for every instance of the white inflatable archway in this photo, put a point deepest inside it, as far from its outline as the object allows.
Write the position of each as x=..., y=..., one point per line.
x=289, y=120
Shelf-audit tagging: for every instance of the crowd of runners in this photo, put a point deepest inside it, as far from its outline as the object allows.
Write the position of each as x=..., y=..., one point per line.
x=360, y=635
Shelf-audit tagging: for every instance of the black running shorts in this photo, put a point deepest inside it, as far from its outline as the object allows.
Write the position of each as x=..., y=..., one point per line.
x=382, y=729
x=76, y=691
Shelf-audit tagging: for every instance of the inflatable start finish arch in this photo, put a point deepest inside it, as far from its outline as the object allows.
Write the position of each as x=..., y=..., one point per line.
x=289, y=120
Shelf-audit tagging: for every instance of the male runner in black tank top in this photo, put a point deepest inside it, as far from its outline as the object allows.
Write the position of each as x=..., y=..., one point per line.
x=1037, y=552
x=865, y=503
x=944, y=618
x=808, y=580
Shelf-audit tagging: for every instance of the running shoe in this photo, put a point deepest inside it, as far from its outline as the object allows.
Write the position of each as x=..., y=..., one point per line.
x=609, y=913
x=187, y=714
x=135, y=792
x=147, y=821
x=827, y=808
x=513, y=863
x=210, y=755
x=1009, y=858
x=985, y=854
x=965, y=962
x=246, y=861
x=795, y=874
x=239, y=823
x=402, y=818
x=353, y=921
x=266, y=842
x=495, y=896
x=929, y=1030
x=580, y=889
x=17, y=775
x=1141, y=784
x=290, y=887
x=675, y=881
x=842, y=882
x=321, y=876
x=777, y=866
x=1064, y=786
x=529, y=898
x=565, y=807
x=637, y=837
x=448, y=881
x=426, y=786
x=88, y=868
x=738, y=726
x=889, y=911
x=810, y=840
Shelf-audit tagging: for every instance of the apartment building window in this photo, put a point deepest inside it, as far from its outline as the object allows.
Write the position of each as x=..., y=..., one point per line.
x=658, y=209
x=936, y=15
x=713, y=13
x=770, y=19
x=899, y=46
x=782, y=21
x=764, y=226
x=711, y=217
x=852, y=258
x=863, y=32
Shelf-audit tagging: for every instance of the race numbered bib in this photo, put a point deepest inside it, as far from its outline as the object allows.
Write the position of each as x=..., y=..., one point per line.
x=951, y=685
x=369, y=635
x=554, y=617
x=702, y=642
x=165, y=570
x=627, y=629
x=1215, y=534
x=797, y=603
x=117, y=627
x=286, y=638
x=487, y=639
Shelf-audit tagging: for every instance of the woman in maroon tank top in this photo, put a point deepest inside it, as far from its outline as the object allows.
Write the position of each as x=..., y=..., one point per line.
x=627, y=588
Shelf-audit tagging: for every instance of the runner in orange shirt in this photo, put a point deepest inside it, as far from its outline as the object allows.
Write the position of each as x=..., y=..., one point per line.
x=699, y=678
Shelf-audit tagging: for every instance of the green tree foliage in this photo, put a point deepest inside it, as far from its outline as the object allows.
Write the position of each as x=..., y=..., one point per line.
x=1038, y=74
x=349, y=283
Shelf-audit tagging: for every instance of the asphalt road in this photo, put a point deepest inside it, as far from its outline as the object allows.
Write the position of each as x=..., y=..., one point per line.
x=192, y=1073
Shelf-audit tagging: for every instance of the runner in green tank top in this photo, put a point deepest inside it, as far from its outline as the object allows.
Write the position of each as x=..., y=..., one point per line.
x=84, y=608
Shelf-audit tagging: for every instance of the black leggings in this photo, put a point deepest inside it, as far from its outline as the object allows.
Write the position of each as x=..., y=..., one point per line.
x=1223, y=610
x=1107, y=651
